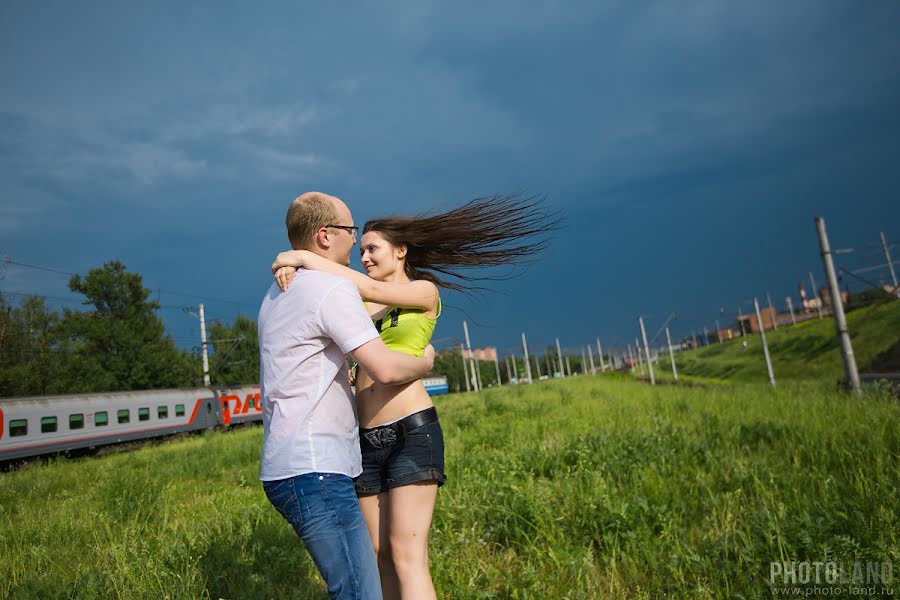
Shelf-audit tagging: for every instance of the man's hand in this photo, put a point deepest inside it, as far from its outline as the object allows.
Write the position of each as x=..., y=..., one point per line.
x=429, y=356
x=284, y=276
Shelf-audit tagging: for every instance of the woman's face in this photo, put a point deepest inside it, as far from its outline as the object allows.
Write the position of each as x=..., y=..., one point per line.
x=380, y=258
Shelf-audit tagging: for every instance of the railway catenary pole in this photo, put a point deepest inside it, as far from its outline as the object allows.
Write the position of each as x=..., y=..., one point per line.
x=203, y=346
x=559, y=355
x=772, y=310
x=515, y=367
x=475, y=379
x=815, y=293
x=527, y=363
x=647, y=350
x=631, y=358
x=790, y=306
x=600, y=355
x=583, y=362
x=508, y=372
x=837, y=308
x=591, y=358
x=762, y=333
x=671, y=355
x=890, y=264
x=549, y=366
x=537, y=365
x=497, y=366
x=640, y=355
x=568, y=366
x=718, y=332
x=462, y=355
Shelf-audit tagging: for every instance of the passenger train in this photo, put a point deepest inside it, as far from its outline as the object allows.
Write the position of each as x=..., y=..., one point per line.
x=38, y=425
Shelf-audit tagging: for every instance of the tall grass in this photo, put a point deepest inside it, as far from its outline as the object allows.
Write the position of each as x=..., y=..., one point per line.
x=590, y=487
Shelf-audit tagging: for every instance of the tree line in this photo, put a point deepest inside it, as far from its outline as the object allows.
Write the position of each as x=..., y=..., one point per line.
x=116, y=342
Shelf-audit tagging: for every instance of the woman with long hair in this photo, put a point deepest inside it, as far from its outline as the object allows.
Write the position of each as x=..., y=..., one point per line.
x=407, y=259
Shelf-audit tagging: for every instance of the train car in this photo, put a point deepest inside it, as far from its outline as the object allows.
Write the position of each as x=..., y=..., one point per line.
x=436, y=385
x=37, y=425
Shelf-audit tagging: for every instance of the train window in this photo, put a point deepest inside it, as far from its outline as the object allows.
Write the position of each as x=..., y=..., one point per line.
x=48, y=424
x=179, y=410
x=76, y=421
x=124, y=415
x=162, y=412
x=18, y=427
x=144, y=414
x=101, y=418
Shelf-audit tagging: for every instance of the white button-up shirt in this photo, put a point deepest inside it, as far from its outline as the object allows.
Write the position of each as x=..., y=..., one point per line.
x=309, y=419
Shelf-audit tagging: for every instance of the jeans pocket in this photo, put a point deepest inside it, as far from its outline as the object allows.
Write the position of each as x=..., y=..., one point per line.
x=283, y=496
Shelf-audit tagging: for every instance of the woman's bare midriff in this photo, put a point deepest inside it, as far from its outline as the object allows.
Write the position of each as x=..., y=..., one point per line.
x=378, y=404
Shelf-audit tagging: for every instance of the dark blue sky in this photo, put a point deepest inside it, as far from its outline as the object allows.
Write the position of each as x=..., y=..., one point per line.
x=688, y=145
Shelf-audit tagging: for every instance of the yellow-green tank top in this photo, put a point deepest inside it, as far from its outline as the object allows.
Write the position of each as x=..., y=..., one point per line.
x=406, y=330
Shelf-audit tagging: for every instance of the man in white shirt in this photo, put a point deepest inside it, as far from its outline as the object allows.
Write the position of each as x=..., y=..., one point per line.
x=311, y=432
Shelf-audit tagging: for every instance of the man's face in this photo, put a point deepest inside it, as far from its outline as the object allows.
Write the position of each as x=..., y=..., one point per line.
x=342, y=240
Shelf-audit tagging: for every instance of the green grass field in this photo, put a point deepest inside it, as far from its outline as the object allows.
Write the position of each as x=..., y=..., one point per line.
x=807, y=351
x=592, y=487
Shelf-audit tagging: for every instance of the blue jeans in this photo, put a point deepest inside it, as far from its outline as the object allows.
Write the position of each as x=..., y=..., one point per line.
x=323, y=510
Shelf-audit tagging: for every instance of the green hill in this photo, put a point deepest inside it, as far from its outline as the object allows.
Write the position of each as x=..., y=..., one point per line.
x=807, y=351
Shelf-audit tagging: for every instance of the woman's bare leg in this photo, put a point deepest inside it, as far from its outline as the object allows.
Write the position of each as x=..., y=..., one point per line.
x=411, y=508
x=375, y=512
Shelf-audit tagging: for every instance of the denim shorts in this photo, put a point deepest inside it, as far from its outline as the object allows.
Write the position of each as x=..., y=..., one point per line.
x=403, y=458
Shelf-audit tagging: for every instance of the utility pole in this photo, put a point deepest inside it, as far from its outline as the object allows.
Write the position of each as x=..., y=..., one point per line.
x=890, y=264
x=647, y=350
x=741, y=321
x=837, y=308
x=583, y=361
x=671, y=355
x=790, y=306
x=762, y=333
x=591, y=357
x=559, y=355
x=515, y=368
x=462, y=355
x=631, y=357
x=600, y=355
x=718, y=332
x=527, y=363
x=537, y=365
x=568, y=366
x=203, y=349
x=476, y=381
x=497, y=366
x=508, y=373
x=640, y=357
x=815, y=292
x=772, y=310
x=705, y=336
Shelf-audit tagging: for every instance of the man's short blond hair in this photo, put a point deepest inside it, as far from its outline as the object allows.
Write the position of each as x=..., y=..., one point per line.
x=306, y=215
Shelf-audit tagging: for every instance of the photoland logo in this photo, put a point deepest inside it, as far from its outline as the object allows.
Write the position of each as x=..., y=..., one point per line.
x=862, y=577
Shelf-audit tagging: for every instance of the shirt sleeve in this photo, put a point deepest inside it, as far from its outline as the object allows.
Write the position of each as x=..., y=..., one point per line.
x=344, y=319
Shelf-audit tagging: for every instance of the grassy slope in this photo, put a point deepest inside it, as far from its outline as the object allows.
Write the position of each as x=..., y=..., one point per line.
x=809, y=350
x=583, y=488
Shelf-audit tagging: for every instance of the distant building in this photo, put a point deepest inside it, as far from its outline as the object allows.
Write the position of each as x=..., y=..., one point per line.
x=486, y=353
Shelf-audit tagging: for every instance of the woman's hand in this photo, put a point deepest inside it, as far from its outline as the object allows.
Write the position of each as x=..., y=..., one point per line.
x=291, y=258
x=284, y=276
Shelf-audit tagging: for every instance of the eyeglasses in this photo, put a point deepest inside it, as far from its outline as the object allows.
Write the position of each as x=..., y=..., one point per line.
x=349, y=229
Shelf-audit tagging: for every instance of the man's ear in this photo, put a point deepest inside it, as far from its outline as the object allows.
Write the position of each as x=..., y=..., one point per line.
x=322, y=240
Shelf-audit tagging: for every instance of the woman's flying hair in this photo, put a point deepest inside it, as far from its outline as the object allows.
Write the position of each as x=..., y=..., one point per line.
x=484, y=232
